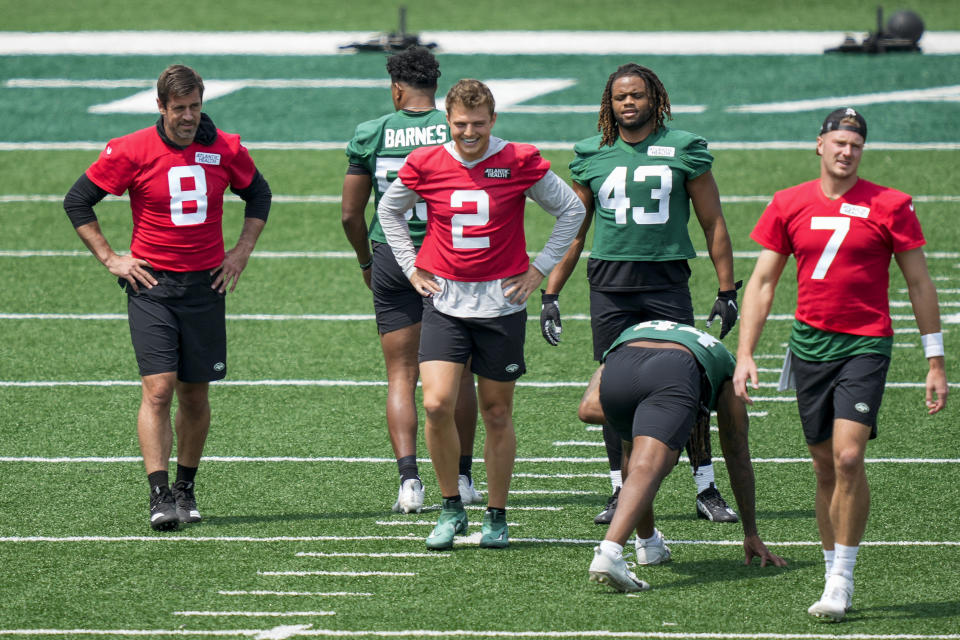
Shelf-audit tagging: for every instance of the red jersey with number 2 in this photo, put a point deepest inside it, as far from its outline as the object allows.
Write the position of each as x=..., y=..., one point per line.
x=176, y=195
x=843, y=249
x=475, y=215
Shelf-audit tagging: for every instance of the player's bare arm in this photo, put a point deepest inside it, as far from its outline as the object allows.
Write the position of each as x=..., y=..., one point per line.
x=926, y=309
x=518, y=288
x=561, y=273
x=235, y=260
x=705, y=197
x=123, y=266
x=591, y=411
x=757, y=302
x=353, y=201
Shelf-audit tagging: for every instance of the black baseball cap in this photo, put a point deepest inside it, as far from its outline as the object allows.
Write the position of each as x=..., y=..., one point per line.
x=835, y=122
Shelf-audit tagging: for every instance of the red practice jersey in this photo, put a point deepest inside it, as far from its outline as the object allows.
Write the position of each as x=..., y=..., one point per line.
x=176, y=195
x=843, y=249
x=474, y=216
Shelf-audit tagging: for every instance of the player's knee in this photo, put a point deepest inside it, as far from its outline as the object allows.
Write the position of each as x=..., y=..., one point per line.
x=848, y=462
x=438, y=409
x=497, y=416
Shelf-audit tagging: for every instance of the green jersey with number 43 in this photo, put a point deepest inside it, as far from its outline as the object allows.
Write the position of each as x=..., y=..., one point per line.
x=716, y=361
x=383, y=144
x=640, y=196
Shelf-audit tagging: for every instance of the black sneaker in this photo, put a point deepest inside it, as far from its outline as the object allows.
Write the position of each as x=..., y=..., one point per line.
x=163, y=510
x=186, y=501
x=711, y=506
x=606, y=516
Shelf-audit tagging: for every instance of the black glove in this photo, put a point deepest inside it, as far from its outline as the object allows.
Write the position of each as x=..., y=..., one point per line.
x=550, y=317
x=725, y=306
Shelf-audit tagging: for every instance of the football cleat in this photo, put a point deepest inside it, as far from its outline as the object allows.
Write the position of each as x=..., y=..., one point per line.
x=468, y=494
x=452, y=520
x=836, y=599
x=493, y=532
x=651, y=553
x=614, y=571
x=606, y=516
x=186, y=501
x=163, y=510
x=409, y=496
x=711, y=506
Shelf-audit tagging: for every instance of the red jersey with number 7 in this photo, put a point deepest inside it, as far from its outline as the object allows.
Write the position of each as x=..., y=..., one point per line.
x=176, y=195
x=843, y=249
x=474, y=215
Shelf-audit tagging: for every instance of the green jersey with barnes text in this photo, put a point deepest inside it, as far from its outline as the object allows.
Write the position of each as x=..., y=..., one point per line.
x=640, y=196
x=383, y=144
x=716, y=361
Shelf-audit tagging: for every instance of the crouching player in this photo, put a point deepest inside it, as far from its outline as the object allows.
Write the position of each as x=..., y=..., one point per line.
x=656, y=386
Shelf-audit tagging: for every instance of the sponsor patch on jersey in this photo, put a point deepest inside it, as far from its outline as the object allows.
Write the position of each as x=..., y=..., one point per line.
x=661, y=152
x=207, y=158
x=501, y=173
x=854, y=210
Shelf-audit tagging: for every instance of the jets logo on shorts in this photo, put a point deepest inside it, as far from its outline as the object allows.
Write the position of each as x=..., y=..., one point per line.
x=862, y=407
x=512, y=368
x=219, y=366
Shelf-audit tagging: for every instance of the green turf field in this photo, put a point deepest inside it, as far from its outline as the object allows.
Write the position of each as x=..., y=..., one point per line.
x=296, y=489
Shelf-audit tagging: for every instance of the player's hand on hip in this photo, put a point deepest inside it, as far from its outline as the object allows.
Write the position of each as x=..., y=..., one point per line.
x=518, y=288
x=753, y=547
x=550, y=317
x=228, y=273
x=746, y=369
x=132, y=270
x=424, y=282
x=725, y=306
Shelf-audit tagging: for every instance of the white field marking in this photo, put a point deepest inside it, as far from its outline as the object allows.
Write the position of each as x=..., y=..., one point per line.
x=551, y=492
x=255, y=614
x=934, y=94
x=752, y=414
x=422, y=523
x=320, y=594
x=477, y=507
x=288, y=631
x=565, y=476
x=577, y=443
x=313, y=43
x=322, y=554
x=351, y=574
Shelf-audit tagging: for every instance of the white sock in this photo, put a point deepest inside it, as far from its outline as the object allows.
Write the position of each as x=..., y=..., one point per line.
x=616, y=479
x=843, y=560
x=703, y=477
x=610, y=547
x=828, y=560
x=651, y=540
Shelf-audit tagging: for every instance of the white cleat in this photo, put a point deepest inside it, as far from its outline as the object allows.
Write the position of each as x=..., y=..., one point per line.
x=656, y=552
x=409, y=497
x=614, y=571
x=836, y=599
x=468, y=494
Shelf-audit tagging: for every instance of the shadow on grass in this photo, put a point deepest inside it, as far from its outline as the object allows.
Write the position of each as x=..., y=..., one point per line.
x=920, y=610
x=703, y=572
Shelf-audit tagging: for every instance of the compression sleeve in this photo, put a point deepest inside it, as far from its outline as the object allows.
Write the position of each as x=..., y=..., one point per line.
x=560, y=201
x=79, y=201
x=393, y=205
x=257, y=197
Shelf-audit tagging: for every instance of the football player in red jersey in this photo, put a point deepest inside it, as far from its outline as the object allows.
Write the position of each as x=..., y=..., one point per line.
x=474, y=271
x=842, y=230
x=177, y=272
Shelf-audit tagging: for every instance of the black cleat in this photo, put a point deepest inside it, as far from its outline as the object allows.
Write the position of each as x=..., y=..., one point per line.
x=606, y=516
x=186, y=502
x=711, y=506
x=163, y=510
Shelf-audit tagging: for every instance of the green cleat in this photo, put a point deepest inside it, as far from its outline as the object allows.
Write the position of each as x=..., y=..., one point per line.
x=493, y=533
x=452, y=520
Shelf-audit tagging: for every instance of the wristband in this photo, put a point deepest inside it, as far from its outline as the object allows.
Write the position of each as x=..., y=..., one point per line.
x=366, y=265
x=932, y=344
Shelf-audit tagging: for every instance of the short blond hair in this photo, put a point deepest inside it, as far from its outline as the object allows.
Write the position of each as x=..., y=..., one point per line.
x=470, y=94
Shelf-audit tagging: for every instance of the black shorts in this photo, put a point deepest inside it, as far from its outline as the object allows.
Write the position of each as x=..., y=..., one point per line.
x=651, y=392
x=848, y=389
x=179, y=325
x=494, y=346
x=396, y=303
x=611, y=313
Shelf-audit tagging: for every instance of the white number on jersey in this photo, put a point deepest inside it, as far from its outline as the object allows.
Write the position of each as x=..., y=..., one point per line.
x=461, y=220
x=391, y=166
x=703, y=338
x=178, y=195
x=840, y=226
x=613, y=194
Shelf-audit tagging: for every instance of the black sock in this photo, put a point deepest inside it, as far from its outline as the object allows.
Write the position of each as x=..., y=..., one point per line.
x=158, y=480
x=407, y=465
x=453, y=501
x=186, y=474
x=497, y=514
x=466, y=464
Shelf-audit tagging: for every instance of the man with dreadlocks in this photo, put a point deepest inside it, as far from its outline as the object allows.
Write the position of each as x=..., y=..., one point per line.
x=376, y=153
x=639, y=177
x=842, y=230
x=656, y=386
